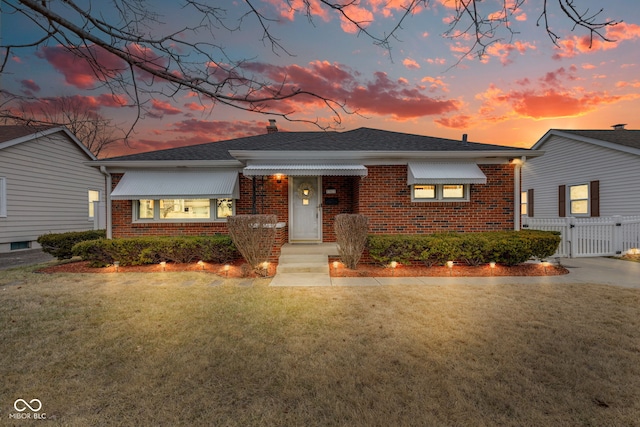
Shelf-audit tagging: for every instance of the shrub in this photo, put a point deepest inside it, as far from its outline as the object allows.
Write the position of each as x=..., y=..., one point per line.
x=151, y=250
x=254, y=236
x=505, y=247
x=351, y=235
x=60, y=245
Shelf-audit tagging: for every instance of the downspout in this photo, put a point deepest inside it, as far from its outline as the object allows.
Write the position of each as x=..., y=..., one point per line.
x=516, y=191
x=103, y=170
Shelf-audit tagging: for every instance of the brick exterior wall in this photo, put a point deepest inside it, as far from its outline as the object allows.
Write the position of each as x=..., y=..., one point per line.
x=383, y=196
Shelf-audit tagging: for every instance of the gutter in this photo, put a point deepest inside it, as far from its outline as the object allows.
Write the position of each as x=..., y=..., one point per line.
x=107, y=175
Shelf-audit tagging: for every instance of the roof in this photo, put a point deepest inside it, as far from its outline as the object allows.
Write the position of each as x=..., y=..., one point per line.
x=358, y=140
x=11, y=135
x=10, y=132
x=622, y=139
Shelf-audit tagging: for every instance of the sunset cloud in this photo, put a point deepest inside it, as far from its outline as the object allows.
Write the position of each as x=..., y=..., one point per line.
x=411, y=64
x=573, y=46
x=503, y=51
x=29, y=86
x=78, y=72
x=378, y=96
x=160, y=108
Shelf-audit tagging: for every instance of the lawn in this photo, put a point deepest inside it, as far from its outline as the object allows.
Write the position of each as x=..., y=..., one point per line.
x=195, y=349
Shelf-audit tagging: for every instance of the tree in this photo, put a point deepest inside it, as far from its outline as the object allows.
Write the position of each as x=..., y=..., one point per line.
x=124, y=44
x=93, y=130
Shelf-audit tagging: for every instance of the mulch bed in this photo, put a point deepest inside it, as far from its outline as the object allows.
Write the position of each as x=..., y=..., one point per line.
x=240, y=269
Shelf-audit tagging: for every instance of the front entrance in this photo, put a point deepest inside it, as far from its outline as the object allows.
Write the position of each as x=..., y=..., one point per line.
x=305, y=210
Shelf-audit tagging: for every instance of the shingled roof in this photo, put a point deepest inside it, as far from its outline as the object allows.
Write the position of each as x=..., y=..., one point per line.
x=628, y=138
x=11, y=132
x=362, y=139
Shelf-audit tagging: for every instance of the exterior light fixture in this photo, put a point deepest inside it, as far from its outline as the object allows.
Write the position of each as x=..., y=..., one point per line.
x=393, y=265
x=164, y=265
x=116, y=264
x=227, y=267
x=545, y=264
x=278, y=178
x=335, y=265
x=305, y=191
x=201, y=264
x=450, y=265
x=492, y=264
x=265, y=265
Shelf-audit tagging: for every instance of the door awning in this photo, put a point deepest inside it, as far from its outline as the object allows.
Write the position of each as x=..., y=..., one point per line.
x=177, y=185
x=306, y=170
x=445, y=173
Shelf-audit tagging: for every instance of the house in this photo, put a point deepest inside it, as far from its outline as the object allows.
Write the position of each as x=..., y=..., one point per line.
x=403, y=183
x=586, y=179
x=584, y=173
x=45, y=187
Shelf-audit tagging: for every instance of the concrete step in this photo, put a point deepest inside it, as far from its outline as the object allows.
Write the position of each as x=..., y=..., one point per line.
x=303, y=267
x=325, y=249
x=301, y=258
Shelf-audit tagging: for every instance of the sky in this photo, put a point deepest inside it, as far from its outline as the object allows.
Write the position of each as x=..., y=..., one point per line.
x=520, y=88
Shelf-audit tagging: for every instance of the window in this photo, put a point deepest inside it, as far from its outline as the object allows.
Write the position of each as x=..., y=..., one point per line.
x=523, y=203
x=579, y=199
x=3, y=197
x=439, y=192
x=94, y=196
x=183, y=209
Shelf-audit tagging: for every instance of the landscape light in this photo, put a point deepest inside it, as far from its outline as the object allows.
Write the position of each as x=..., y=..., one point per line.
x=164, y=265
x=201, y=264
x=116, y=264
x=227, y=267
x=450, y=265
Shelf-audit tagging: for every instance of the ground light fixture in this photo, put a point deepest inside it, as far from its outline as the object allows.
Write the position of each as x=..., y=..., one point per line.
x=116, y=264
x=163, y=264
x=394, y=265
x=545, y=264
x=492, y=264
x=201, y=264
x=450, y=265
x=227, y=267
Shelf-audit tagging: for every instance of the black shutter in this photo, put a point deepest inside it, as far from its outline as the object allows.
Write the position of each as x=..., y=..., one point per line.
x=562, y=201
x=530, y=203
x=594, y=197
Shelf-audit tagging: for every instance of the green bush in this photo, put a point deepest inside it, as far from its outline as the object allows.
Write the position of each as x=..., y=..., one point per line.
x=152, y=250
x=504, y=247
x=60, y=245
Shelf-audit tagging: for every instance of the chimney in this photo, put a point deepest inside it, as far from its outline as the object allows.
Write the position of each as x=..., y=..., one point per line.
x=272, y=128
x=619, y=126
x=464, y=137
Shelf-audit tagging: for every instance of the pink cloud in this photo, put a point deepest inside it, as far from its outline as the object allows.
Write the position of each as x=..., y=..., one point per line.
x=77, y=71
x=456, y=122
x=411, y=64
x=570, y=47
x=29, y=85
x=380, y=96
x=504, y=50
x=161, y=107
x=363, y=17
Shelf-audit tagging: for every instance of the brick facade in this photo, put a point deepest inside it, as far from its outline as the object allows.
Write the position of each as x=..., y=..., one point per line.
x=383, y=196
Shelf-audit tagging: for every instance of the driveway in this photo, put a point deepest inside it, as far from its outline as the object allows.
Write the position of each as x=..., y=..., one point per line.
x=22, y=258
x=605, y=271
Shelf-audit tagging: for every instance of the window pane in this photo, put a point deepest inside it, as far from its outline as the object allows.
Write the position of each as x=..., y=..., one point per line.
x=184, y=209
x=145, y=209
x=424, y=191
x=578, y=192
x=523, y=203
x=579, y=207
x=225, y=208
x=94, y=196
x=453, y=191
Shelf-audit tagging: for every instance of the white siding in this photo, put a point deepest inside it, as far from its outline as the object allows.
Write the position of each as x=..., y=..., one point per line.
x=568, y=162
x=46, y=188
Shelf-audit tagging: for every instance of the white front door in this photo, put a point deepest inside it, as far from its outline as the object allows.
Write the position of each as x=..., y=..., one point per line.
x=305, y=212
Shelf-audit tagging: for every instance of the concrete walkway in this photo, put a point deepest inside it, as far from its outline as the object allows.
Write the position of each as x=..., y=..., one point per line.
x=22, y=258
x=304, y=265
x=604, y=271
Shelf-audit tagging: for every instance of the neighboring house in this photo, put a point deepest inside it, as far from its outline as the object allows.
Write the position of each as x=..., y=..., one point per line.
x=587, y=187
x=45, y=185
x=403, y=183
x=584, y=173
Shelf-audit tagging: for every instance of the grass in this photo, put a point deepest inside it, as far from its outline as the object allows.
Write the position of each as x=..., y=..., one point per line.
x=195, y=349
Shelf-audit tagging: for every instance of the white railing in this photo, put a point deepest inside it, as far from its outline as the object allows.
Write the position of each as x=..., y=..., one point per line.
x=584, y=237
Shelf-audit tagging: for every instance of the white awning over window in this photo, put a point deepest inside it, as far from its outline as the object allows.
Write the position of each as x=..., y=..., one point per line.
x=445, y=173
x=136, y=185
x=306, y=170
